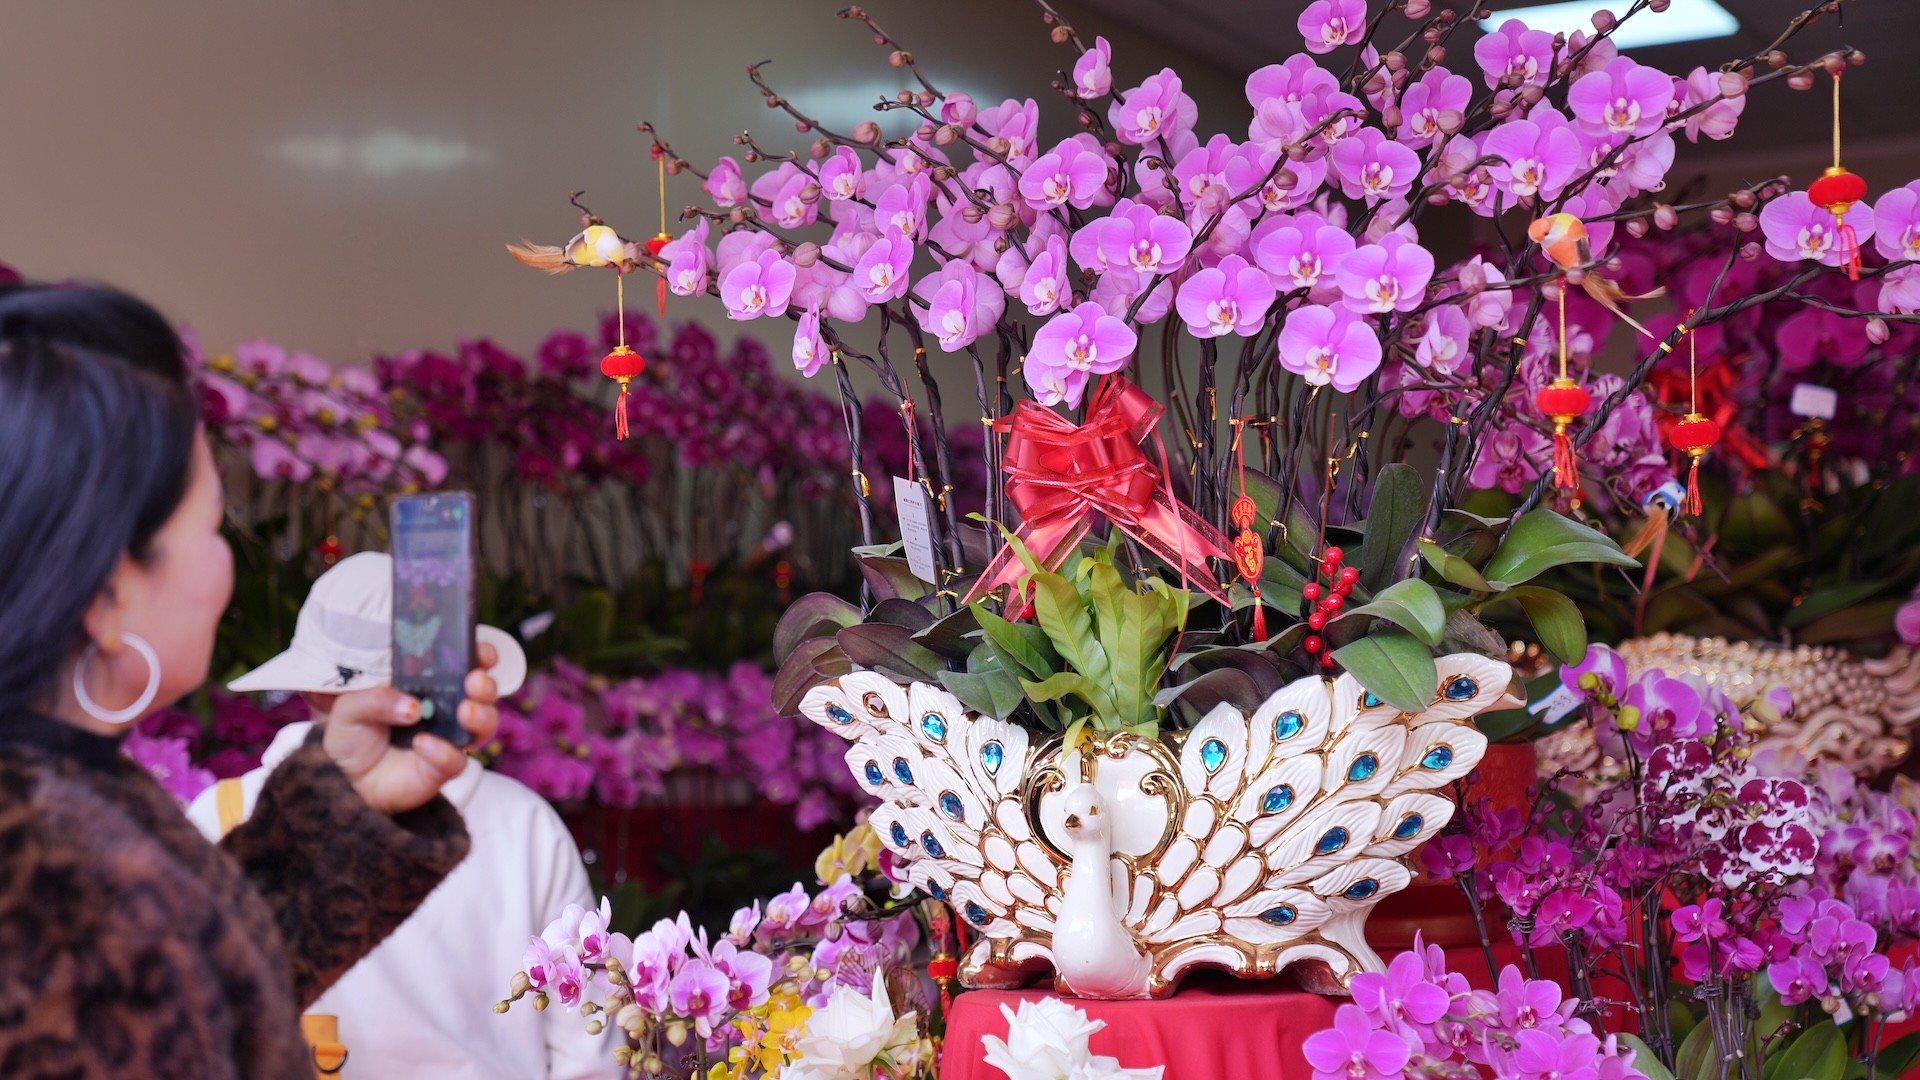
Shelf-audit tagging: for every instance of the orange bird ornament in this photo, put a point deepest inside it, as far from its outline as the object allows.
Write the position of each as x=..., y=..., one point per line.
x=595, y=245
x=1563, y=237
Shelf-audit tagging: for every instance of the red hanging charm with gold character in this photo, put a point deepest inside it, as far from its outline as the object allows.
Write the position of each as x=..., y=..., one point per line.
x=1249, y=551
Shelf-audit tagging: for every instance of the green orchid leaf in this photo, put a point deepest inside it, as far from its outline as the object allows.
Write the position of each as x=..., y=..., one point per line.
x=809, y=664
x=905, y=613
x=1133, y=631
x=891, y=578
x=1452, y=568
x=1075, y=685
x=994, y=692
x=1398, y=508
x=890, y=649
x=1818, y=1053
x=1644, y=1059
x=1698, y=1057
x=1394, y=665
x=1898, y=1057
x=813, y=615
x=1830, y=598
x=1555, y=619
x=1873, y=619
x=1542, y=540
x=1063, y=614
x=952, y=636
x=1412, y=605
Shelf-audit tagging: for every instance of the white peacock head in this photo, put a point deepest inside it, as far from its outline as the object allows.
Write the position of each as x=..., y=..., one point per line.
x=1086, y=813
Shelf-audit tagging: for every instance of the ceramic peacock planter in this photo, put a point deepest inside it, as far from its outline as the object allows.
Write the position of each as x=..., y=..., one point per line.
x=1249, y=843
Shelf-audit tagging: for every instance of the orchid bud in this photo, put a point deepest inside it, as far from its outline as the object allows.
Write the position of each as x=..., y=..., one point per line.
x=1395, y=60
x=1374, y=85
x=971, y=214
x=1602, y=20
x=521, y=984
x=1721, y=215
x=1878, y=331
x=1298, y=151
x=540, y=1001
x=1391, y=118
x=904, y=97
x=866, y=132
x=622, y=1054
x=1286, y=179
x=1835, y=65
x=1776, y=59
x=1665, y=216
x=1432, y=36
x=737, y=215
x=1085, y=118
x=1742, y=199
x=806, y=254
x=823, y=975
x=924, y=99
x=630, y=1017
x=1732, y=84
x=999, y=145
x=674, y=166
x=1637, y=227
x=959, y=109
x=1001, y=243
x=1003, y=216
x=652, y=1065
x=1438, y=198
x=802, y=126
x=1750, y=252
x=796, y=965
x=1801, y=80
x=1437, y=55
x=1452, y=120
x=924, y=131
x=1419, y=9
x=1500, y=109
x=944, y=173
x=810, y=193
x=1745, y=222
x=677, y=1033
x=1657, y=6
x=896, y=58
x=946, y=135
x=502, y=1006
x=595, y=1027
x=1531, y=96
x=1062, y=34
x=1857, y=58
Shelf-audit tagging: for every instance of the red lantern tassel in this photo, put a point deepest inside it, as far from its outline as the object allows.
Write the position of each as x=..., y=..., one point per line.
x=1849, y=247
x=1692, y=504
x=620, y=413
x=1259, y=617
x=660, y=292
x=1566, y=467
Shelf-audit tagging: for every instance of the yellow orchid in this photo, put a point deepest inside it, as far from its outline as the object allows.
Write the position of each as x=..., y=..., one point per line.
x=849, y=855
x=780, y=1044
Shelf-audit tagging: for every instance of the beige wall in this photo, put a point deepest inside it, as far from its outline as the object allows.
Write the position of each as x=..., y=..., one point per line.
x=341, y=174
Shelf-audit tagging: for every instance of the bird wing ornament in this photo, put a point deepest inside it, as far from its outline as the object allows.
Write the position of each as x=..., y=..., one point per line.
x=1563, y=237
x=1251, y=842
x=595, y=245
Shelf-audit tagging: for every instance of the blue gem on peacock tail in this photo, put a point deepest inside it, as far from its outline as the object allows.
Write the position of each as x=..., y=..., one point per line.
x=1334, y=840
x=899, y=834
x=901, y=770
x=1370, y=700
x=1362, y=889
x=935, y=726
x=976, y=914
x=1363, y=768
x=1287, y=725
x=931, y=845
x=1279, y=916
x=1213, y=754
x=934, y=890
x=1462, y=689
x=1277, y=800
x=950, y=805
x=874, y=775
x=1409, y=827
x=838, y=715
x=1438, y=758
x=991, y=755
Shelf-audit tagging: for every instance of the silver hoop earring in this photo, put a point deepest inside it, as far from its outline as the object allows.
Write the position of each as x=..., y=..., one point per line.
x=118, y=716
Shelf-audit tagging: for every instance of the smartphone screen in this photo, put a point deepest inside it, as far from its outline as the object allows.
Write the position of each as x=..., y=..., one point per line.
x=433, y=608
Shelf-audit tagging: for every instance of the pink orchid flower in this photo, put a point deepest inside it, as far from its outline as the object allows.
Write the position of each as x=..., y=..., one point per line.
x=1328, y=24
x=1372, y=167
x=809, y=347
x=724, y=184
x=1073, y=346
x=841, y=176
x=1717, y=120
x=1537, y=156
x=1513, y=51
x=1303, y=253
x=1156, y=109
x=689, y=263
x=1047, y=284
x=1434, y=107
x=1389, y=276
x=1066, y=175
x=1796, y=229
x=901, y=210
x=1623, y=98
x=1329, y=345
x=758, y=289
x=1145, y=241
x=1231, y=298
x=1093, y=72
x=881, y=273
x=1896, y=223
x=961, y=306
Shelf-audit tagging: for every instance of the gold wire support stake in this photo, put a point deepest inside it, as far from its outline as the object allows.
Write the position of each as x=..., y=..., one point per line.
x=1836, y=118
x=663, y=194
x=1563, y=326
x=620, y=303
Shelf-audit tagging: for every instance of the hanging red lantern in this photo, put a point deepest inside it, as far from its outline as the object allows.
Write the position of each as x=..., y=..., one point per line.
x=1837, y=190
x=1693, y=436
x=622, y=365
x=1563, y=401
x=654, y=247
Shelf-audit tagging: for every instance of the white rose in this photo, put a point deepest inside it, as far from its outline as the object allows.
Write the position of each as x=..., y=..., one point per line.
x=1046, y=1040
x=844, y=1037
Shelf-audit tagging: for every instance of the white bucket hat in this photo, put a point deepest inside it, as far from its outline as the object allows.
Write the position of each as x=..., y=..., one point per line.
x=343, y=639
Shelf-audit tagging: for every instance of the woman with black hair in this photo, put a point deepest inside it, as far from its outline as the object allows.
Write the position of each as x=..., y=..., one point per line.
x=129, y=946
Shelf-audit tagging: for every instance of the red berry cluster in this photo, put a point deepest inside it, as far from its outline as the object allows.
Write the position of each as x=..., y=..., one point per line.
x=1326, y=603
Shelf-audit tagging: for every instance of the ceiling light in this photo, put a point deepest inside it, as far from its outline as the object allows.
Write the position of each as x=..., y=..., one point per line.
x=1685, y=20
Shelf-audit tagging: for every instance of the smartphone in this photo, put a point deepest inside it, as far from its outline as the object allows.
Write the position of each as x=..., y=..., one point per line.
x=433, y=557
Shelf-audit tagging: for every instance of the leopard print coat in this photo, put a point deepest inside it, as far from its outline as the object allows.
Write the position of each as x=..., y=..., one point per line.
x=130, y=948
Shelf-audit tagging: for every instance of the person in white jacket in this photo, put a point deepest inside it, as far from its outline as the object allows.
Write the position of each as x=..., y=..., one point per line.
x=421, y=1004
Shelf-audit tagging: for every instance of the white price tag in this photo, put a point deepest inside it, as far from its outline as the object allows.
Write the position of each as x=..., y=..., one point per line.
x=1555, y=706
x=916, y=528
x=1813, y=401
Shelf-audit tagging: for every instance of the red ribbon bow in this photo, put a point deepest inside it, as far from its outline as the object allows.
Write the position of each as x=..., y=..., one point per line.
x=1060, y=475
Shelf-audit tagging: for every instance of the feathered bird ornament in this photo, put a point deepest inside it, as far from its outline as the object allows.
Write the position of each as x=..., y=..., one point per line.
x=1563, y=237
x=1250, y=842
x=595, y=245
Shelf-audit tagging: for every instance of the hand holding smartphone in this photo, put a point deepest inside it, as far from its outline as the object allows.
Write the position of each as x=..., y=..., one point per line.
x=433, y=608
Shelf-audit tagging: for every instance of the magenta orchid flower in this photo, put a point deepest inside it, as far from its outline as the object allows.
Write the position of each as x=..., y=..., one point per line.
x=1201, y=173
x=1156, y=109
x=1066, y=175
x=1717, y=120
x=784, y=913
x=1624, y=98
x=1290, y=187
x=959, y=109
x=1488, y=301
x=901, y=210
x=1372, y=167
x=809, y=347
x=724, y=184
x=1538, y=156
x=1542, y=1055
x=961, y=305
x=1093, y=72
x=1329, y=345
x=1810, y=337
x=841, y=176
x=1401, y=999
x=1016, y=121
x=1328, y=24
x=1896, y=223
x=1231, y=298
x=1443, y=345
x=749, y=975
x=1515, y=53
x=689, y=263
x=1796, y=229
x=1800, y=978
x=881, y=273
x=1047, y=284
x=1391, y=275
x=791, y=195
x=1303, y=253
x=699, y=993
x=1073, y=346
x=758, y=289
x=1143, y=240
x=1509, y=459
x=1353, y=1050
x=1434, y=108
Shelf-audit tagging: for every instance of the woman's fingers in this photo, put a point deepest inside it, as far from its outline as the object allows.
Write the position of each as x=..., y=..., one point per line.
x=440, y=755
x=480, y=719
x=480, y=687
x=381, y=706
x=486, y=655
